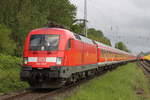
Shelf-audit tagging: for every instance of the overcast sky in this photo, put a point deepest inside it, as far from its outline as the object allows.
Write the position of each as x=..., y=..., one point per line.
x=120, y=20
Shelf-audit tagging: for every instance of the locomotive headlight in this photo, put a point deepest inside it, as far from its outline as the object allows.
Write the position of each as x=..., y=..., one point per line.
x=59, y=60
x=25, y=60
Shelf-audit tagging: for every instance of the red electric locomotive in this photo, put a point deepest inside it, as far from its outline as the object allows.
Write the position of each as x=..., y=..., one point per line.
x=54, y=56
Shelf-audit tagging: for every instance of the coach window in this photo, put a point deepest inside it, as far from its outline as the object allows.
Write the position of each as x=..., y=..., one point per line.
x=68, y=44
x=111, y=54
x=116, y=55
x=105, y=53
x=102, y=53
x=108, y=54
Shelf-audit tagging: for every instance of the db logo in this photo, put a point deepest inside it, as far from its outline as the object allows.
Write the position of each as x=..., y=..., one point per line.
x=41, y=59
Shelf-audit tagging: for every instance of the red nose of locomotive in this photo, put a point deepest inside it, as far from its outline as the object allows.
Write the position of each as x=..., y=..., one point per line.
x=44, y=57
x=44, y=48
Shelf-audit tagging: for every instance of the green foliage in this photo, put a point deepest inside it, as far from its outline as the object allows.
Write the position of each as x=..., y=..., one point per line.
x=121, y=46
x=9, y=62
x=98, y=36
x=77, y=28
x=96, y=33
x=21, y=16
x=7, y=45
x=9, y=74
x=61, y=11
x=121, y=84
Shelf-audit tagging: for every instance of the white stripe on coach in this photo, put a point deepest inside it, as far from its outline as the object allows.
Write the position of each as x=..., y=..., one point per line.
x=51, y=59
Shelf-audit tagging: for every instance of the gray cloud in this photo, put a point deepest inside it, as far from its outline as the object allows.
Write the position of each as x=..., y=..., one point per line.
x=129, y=19
x=144, y=4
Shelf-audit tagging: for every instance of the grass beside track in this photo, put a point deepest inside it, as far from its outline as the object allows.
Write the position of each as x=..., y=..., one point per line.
x=122, y=84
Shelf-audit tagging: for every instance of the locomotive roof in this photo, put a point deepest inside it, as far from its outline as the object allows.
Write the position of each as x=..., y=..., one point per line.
x=47, y=28
x=55, y=30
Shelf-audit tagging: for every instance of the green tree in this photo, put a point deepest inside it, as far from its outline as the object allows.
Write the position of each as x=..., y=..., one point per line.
x=98, y=36
x=62, y=12
x=7, y=45
x=21, y=16
x=77, y=28
x=121, y=46
x=96, y=33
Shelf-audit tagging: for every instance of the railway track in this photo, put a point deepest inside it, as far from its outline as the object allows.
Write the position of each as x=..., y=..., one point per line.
x=15, y=95
x=35, y=95
x=146, y=66
x=47, y=94
x=44, y=94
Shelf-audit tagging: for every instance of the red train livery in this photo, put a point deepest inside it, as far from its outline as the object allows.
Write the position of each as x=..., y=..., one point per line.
x=54, y=56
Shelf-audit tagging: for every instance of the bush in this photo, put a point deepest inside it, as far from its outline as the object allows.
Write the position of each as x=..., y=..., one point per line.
x=7, y=61
x=9, y=74
x=7, y=45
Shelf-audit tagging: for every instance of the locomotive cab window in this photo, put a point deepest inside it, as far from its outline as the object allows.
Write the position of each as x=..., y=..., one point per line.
x=42, y=42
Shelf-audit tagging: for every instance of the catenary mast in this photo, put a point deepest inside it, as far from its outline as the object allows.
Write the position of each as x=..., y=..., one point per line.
x=85, y=17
